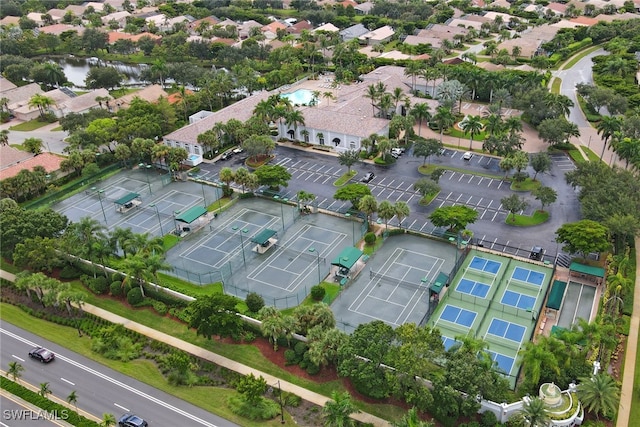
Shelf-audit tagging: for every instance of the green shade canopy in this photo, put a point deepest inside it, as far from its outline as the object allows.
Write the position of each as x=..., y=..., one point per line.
x=126, y=199
x=347, y=258
x=264, y=236
x=191, y=215
x=440, y=282
x=587, y=269
x=556, y=294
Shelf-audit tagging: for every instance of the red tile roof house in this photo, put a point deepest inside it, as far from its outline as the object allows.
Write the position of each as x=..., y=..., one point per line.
x=50, y=162
x=340, y=124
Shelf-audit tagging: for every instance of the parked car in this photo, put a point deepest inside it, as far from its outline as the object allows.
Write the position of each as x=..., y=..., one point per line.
x=226, y=155
x=367, y=177
x=537, y=253
x=131, y=420
x=42, y=355
x=467, y=155
x=397, y=151
x=237, y=150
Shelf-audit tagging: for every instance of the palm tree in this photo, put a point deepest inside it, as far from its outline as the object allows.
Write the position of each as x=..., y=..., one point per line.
x=402, y=211
x=599, y=394
x=72, y=399
x=293, y=119
x=386, y=211
x=373, y=95
x=44, y=390
x=227, y=176
x=41, y=102
x=336, y=412
x=397, y=96
x=472, y=125
x=108, y=420
x=421, y=112
x=368, y=204
x=444, y=118
x=159, y=68
x=535, y=356
x=4, y=137
x=535, y=413
x=15, y=371
x=411, y=419
x=607, y=127
x=559, y=104
x=272, y=325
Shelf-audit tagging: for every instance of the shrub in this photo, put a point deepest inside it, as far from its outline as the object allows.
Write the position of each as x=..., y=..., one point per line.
x=313, y=369
x=69, y=272
x=98, y=285
x=115, y=289
x=134, y=296
x=290, y=399
x=254, y=302
x=300, y=348
x=159, y=307
x=317, y=293
x=488, y=419
x=291, y=358
x=370, y=238
x=158, y=295
x=264, y=409
x=248, y=336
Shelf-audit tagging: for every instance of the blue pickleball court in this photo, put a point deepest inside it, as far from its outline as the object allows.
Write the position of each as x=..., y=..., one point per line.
x=458, y=315
x=507, y=330
x=528, y=276
x=505, y=363
x=477, y=289
x=516, y=299
x=485, y=265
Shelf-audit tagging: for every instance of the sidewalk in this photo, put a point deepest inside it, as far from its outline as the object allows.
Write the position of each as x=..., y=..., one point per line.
x=305, y=394
x=624, y=411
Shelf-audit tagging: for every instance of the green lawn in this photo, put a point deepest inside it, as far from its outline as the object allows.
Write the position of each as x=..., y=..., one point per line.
x=370, y=249
x=527, y=221
x=555, y=86
x=189, y=288
x=573, y=61
x=526, y=185
x=344, y=178
x=430, y=167
x=593, y=157
x=169, y=241
x=29, y=126
x=462, y=135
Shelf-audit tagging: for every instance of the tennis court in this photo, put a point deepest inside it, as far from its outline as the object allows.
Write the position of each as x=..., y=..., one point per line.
x=394, y=286
x=497, y=299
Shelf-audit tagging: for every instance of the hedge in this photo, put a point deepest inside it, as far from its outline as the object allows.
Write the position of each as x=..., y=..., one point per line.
x=42, y=402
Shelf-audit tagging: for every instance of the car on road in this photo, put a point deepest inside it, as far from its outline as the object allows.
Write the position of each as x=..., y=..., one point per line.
x=226, y=155
x=131, y=420
x=367, y=177
x=237, y=150
x=467, y=155
x=42, y=355
x=397, y=150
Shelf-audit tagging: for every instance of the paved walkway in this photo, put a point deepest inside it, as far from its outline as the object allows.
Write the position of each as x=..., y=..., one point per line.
x=624, y=411
x=305, y=394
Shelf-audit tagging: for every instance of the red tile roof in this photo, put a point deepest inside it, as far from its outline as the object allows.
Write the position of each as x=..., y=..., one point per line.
x=49, y=161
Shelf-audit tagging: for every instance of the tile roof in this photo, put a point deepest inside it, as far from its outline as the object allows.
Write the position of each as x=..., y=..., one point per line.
x=20, y=96
x=6, y=84
x=57, y=29
x=82, y=103
x=149, y=93
x=49, y=161
x=10, y=156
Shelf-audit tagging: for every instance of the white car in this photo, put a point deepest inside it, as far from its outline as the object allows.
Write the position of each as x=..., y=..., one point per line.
x=467, y=155
x=237, y=150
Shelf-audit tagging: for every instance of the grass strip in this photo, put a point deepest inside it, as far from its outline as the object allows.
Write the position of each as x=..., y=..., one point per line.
x=29, y=126
x=537, y=218
x=344, y=179
x=429, y=168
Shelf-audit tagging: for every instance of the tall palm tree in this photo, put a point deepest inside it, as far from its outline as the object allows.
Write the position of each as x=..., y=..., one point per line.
x=472, y=125
x=336, y=412
x=599, y=394
x=421, y=112
x=72, y=399
x=4, y=137
x=606, y=128
x=535, y=413
x=293, y=119
x=369, y=205
x=108, y=420
x=397, y=95
x=42, y=102
x=444, y=118
x=15, y=371
x=373, y=95
x=45, y=389
x=536, y=355
x=402, y=211
x=560, y=104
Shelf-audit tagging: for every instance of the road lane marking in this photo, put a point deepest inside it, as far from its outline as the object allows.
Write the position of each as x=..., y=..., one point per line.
x=122, y=407
x=67, y=381
x=16, y=357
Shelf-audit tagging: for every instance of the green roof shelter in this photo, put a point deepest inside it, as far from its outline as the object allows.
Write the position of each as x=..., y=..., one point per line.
x=191, y=214
x=557, y=293
x=441, y=281
x=591, y=273
x=264, y=240
x=130, y=201
x=347, y=258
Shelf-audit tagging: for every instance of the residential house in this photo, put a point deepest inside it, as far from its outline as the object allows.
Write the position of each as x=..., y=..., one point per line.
x=37, y=18
x=57, y=29
x=353, y=32
x=328, y=28
x=299, y=27
x=25, y=112
x=150, y=94
x=9, y=21
x=80, y=104
x=56, y=14
x=97, y=6
x=377, y=36
x=76, y=10
x=20, y=96
x=6, y=84
x=270, y=31
x=207, y=22
x=244, y=29
x=364, y=8
x=119, y=17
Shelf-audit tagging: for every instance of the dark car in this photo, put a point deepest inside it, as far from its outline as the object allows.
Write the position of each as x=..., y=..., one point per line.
x=226, y=155
x=367, y=177
x=537, y=253
x=131, y=420
x=42, y=354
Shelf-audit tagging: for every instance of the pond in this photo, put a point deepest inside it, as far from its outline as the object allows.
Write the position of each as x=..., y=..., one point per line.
x=76, y=69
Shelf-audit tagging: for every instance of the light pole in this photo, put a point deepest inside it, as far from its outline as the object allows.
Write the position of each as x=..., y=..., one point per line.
x=240, y=232
x=204, y=198
x=281, y=404
x=99, y=192
x=159, y=220
x=147, y=167
x=282, y=202
x=318, y=257
x=353, y=228
x=175, y=222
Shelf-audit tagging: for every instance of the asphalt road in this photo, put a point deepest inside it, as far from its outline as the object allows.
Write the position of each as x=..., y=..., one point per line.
x=100, y=389
x=315, y=173
x=14, y=414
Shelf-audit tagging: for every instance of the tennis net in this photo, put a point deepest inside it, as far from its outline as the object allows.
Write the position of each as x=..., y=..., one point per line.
x=419, y=286
x=311, y=256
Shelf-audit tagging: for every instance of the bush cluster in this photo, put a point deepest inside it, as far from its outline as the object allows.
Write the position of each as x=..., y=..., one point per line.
x=134, y=296
x=98, y=285
x=318, y=293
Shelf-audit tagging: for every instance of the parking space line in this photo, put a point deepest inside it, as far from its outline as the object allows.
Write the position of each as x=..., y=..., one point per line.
x=470, y=197
x=452, y=175
x=319, y=176
x=458, y=198
x=414, y=221
x=461, y=176
x=500, y=185
x=483, y=213
x=400, y=185
x=327, y=179
x=494, y=216
x=470, y=179
x=391, y=183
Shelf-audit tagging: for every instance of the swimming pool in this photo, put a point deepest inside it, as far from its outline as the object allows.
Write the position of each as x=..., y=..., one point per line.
x=300, y=97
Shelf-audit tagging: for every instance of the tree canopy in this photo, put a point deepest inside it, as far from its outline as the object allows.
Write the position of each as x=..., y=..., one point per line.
x=585, y=236
x=454, y=217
